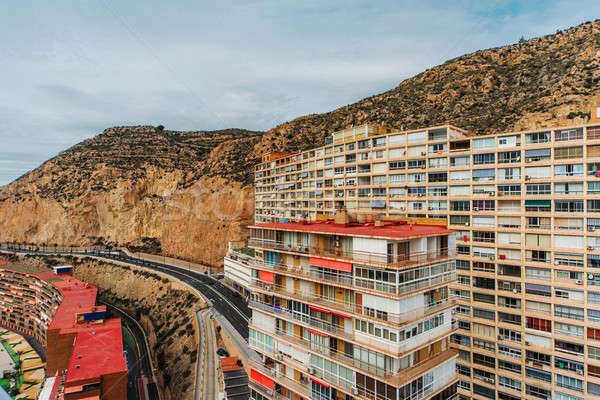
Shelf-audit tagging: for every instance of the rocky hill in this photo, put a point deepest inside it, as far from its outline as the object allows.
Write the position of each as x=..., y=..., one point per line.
x=187, y=193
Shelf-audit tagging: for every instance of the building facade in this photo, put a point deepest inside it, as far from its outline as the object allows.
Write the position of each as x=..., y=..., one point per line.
x=525, y=208
x=352, y=310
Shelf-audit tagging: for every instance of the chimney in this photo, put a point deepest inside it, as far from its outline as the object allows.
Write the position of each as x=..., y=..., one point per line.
x=595, y=114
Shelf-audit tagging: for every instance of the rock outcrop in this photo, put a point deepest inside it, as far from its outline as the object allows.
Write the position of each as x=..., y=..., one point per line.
x=187, y=194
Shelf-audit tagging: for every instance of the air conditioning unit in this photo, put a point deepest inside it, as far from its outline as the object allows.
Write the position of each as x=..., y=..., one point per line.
x=423, y=167
x=590, y=248
x=423, y=153
x=475, y=208
x=279, y=356
x=488, y=380
x=491, y=194
x=500, y=337
x=590, y=276
x=466, y=224
x=354, y=389
x=592, y=229
x=527, y=343
x=527, y=177
x=579, y=282
x=579, y=372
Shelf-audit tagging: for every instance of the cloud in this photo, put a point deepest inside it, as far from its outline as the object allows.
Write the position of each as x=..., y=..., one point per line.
x=79, y=67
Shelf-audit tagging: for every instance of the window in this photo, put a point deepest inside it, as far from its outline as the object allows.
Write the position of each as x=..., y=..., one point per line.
x=570, y=205
x=539, y=324
x=397, y=165
x=538, y=358
x=593, y=205
x=483, y=313
x=538, y=392
x=568, y=312
x=484, y=344
x=539, y=188
x=509, y=334
x=509, y=383
x=509, y=366
x=569, y=383
x=509, y=190
x=484, y=143
x=538, y=374
x=486, y=158
x=537, y=137
x=481, y=359
x=509, y=351
x=484, y=205
x=568, y=134
x=593, y=333
x=509, y=157
x=568, y=170
x=562, y=153
x=537, y=155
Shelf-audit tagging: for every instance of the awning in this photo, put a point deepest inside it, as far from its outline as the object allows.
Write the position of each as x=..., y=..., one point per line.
x=480, y=173
x=537, y=153
x=266, y=276
x=319, y=383
x=332, y=264
x=341, y=315
x=538, y=203
x=323, y=310
x=261, y=379
x=317, y=333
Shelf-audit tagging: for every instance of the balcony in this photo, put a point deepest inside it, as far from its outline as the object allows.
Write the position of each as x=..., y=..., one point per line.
x=301, y=388
x=352, y=283
x=362, y=257
x=355, y=309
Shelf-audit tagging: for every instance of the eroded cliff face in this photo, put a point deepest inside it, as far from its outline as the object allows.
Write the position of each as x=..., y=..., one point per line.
x=187, y=194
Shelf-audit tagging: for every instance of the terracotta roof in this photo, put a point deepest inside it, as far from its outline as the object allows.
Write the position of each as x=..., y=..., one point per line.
x=387, y=231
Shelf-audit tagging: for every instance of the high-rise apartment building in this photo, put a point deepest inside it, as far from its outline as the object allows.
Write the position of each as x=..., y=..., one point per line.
x=347, y=309
x=525, y=208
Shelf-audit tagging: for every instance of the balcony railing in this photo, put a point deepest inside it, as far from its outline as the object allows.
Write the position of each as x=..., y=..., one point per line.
x=357, y=309
x=362, y=257
x=349, y=281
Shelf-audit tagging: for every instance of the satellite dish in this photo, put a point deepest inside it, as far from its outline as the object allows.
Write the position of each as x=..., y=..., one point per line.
x=590, y=276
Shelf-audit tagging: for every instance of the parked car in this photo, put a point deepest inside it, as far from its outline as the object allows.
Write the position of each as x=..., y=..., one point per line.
x=222, y=353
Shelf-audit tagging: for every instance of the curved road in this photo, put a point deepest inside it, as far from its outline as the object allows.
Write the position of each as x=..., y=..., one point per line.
x=231, y=307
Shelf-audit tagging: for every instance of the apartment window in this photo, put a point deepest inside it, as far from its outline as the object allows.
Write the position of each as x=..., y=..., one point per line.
x=593, y=315
x=570, y=205
x=509, y=366
x=379, y=180
x=538, y=374
x=484, y=283
x=568, y=329
x=538, y=358
x=509, y=383
x=438, y=177
x=364, y=144
x=539, y=324
x=485, y=267
x=593, y=205
x=568, y=170
x=568, y=134
x=463, y=370
x=568, y=188
x=509, y=351
x=438, y=191
x=509, y=270
x=537, y=155
x=413, y=164
x=393, y=165
x=538, y=273
x=537, y=137
x=464, y=280
x=538, y=290
x=484, y=344
x=486, y=158
x=562, y=153
x=569, y=383
x=509, y=174
x=438, y=163
x=593, y=333
x=509, y=302
x=538, y=392
x=509, y=190
x=486, y=361
x=484, y=205
x=437, y=148
x=483, y=313
x=484, y=236
x=594, y=352
x=378, y=142
x=459, y=205
x=538, y=188
x=509, y=157
x=509, y=334
x=564, y=396
x=593, y=187
x=509, y=318
x=568, y=312
x=593, y=169
x=484, y=143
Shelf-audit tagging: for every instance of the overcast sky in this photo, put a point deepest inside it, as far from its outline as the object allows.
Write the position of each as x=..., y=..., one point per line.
x=72, y=68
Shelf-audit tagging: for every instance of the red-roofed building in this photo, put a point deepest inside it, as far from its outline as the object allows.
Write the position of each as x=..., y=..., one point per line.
x=83, y=348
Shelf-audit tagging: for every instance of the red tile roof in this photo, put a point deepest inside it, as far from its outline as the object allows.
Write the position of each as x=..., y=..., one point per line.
x=388, y=231
x=97, y=351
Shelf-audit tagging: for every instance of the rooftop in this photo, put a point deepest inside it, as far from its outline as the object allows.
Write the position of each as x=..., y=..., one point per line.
x=389, y=230
x=97, y=351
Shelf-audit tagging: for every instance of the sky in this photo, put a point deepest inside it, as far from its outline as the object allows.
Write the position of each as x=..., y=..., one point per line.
x=73, y=68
